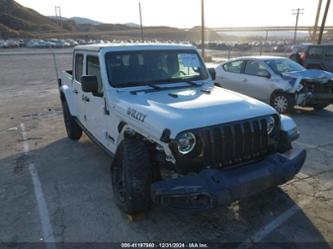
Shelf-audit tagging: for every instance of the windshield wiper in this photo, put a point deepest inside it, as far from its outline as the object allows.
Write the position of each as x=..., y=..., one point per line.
x=155, y=87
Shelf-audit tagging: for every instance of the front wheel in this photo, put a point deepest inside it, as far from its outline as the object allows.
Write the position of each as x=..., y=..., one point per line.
x=283, y=102
x=131, y=174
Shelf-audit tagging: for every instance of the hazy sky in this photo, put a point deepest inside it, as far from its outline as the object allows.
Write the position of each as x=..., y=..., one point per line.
x=186, y=13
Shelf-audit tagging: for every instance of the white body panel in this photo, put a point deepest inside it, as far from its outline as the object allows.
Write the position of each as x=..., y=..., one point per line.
x=192, y=108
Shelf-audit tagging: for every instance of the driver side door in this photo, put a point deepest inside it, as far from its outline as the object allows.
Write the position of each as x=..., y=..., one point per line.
x=95, y=109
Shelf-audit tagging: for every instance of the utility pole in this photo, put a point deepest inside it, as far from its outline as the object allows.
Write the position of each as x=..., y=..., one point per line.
x=58, y=16
x=203, y=29
x=141, y=26
x=324, y=21
x=315, y=27
x=297, y=12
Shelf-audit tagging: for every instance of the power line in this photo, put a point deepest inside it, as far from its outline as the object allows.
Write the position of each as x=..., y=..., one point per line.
x=297, y=12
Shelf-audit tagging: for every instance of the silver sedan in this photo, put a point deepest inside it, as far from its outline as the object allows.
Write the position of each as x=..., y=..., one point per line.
x=278, y=81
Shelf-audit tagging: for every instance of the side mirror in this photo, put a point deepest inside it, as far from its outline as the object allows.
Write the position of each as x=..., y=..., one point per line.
x=89, y=84
x=212, y=73
x=264, y=73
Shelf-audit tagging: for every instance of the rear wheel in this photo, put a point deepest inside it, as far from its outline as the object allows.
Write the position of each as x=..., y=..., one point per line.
x=131, y=174
x=283, y=102
x=73, y=130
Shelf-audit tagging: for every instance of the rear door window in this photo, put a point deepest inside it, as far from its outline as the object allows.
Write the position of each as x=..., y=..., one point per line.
x=234, y=66
x=78, y=66
x=315, y=52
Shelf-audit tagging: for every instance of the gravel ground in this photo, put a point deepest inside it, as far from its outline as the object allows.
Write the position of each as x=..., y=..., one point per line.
x=75, y=180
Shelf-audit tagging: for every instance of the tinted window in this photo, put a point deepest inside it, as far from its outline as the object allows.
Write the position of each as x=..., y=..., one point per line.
x=315, y=52
x=143, y=67
x=234, y=66
x=255, y=68
x=329, y=51
x=93, y=68
x=78, y=66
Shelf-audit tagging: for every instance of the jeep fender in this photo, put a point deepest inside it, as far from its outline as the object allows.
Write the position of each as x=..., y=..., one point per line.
x=66, y=95
x=126, y=130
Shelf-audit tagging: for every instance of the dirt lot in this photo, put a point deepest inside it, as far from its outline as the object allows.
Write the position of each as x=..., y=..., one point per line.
x=56, y=190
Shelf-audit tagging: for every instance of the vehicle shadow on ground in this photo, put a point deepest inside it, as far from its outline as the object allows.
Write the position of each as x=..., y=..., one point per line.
x=75, y=178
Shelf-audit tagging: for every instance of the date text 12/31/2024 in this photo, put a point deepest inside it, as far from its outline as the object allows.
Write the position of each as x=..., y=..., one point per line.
x=164, y=245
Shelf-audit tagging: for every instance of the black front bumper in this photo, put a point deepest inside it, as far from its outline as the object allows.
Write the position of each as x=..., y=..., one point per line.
x=216, y=187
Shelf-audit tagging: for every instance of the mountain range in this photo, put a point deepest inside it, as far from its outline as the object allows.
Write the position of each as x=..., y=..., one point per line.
x=17, y=21
x=78, y=20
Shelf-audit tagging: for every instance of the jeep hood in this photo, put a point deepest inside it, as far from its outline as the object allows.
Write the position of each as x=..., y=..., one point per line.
x=310, y=74
x=188, y=108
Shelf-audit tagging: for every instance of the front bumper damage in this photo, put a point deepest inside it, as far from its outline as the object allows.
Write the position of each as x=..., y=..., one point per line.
x=211, y=188
x=313, y=91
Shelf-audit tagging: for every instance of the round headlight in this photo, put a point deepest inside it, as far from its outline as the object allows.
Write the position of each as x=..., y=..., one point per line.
x=186, y=143
x=270, y=121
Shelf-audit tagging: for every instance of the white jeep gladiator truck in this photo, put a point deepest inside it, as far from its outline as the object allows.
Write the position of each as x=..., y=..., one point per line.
x=176, y=139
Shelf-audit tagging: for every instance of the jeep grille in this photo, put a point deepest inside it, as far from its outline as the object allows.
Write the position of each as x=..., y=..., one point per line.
x=237, y=142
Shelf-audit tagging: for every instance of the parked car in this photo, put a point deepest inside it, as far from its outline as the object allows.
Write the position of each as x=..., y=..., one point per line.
x=314, y=56
x=155, y=109
x=278, y=81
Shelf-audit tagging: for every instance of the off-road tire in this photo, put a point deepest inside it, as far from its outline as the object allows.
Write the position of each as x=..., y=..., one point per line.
x=73, y=130
x=131, y=174
x=283, y=102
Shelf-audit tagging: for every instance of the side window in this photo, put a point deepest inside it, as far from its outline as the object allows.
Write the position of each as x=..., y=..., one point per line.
x=78, y=66
x=234, y=66
x=315, y=52
x=93, y=68
x=329, y=51
x=255, y=68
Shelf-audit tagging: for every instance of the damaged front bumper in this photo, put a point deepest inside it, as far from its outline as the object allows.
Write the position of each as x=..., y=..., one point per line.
x=211, y=188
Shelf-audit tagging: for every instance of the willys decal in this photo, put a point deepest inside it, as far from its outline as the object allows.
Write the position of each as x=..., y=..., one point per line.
x=135, y=114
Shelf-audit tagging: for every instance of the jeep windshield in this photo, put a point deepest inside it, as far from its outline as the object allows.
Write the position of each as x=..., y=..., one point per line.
x=138, y=68
x=280, y=66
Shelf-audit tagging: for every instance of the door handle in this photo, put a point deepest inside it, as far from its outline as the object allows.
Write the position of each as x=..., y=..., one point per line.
x=75, y=91
x=244, y=80
x=85, y=98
